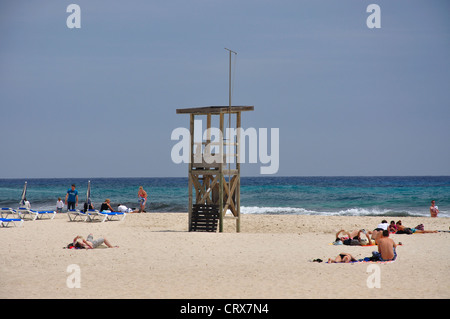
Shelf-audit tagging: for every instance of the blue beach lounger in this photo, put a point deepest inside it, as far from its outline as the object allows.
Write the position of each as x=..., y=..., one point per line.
x=48, y=213
x=77, y=214
x=4, y=222
x=94, y=214
x=90, y=215
x=4, y=212
x=110, y=215
x=34, y=214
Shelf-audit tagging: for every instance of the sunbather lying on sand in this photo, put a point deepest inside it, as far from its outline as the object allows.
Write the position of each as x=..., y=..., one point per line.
x=90, y=243
x=407, y=230
x=353, y=238
x=342, y=258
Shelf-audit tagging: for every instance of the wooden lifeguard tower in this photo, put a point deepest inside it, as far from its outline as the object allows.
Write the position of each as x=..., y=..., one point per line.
x=214, y=167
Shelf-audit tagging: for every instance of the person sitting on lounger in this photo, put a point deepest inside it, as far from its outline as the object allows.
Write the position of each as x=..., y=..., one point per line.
x=88, y=206
x=90, y=243
x=26, y=204
x=106, y=205
x=342, y=258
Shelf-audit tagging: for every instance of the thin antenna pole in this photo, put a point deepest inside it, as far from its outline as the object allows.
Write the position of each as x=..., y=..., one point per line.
x=229, y=79
x=229, y=124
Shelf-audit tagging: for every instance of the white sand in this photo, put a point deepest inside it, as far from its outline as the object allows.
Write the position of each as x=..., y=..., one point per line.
x=270, y=258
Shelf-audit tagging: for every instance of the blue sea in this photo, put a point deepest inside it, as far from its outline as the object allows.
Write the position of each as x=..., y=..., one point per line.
x=346, y=196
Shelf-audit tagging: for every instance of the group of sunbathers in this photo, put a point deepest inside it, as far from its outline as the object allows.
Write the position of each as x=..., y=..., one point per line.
x=379, y=236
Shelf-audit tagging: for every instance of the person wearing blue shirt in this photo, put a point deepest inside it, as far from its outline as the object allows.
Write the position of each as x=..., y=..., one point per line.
x=72, y=198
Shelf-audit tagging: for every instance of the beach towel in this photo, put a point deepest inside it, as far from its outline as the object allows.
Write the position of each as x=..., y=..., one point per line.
x=367, y=260
x=375, y=258
x=340, y=243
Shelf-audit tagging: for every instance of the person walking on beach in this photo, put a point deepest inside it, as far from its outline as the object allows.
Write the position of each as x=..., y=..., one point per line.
x=434, y=211
x=71, y=198
x=142, y=194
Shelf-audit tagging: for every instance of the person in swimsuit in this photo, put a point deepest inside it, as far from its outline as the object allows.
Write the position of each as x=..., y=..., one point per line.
x=407, y=230
x=434, y=211
x=106, y=206
x=392, y=227
x=90, y=243
x=342, y=258
x=142, y=199
x=353, y=238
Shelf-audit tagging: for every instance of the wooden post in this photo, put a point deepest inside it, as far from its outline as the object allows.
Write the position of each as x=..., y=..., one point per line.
x=191, y=161
x=206, y=179
x=238, y=169
x=221, y=212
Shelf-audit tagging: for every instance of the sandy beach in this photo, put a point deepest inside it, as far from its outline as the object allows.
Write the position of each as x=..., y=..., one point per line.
x=271, y=258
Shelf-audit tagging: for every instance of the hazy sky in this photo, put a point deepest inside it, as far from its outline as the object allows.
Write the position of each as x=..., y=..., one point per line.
x=101, y=100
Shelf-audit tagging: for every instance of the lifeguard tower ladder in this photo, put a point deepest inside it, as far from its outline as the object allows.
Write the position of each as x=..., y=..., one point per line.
x=214, y=167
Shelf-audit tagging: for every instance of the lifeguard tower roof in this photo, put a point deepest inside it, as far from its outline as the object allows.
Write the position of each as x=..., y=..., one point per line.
x=215, y=109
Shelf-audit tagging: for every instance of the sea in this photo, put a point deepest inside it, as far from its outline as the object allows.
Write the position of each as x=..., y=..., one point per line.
x=394, y=196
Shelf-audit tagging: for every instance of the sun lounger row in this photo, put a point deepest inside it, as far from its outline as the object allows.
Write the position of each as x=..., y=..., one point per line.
x=93, y=215
x=24, y=212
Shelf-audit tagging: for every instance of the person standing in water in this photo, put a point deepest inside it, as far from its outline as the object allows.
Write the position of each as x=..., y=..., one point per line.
x=434, y=211
x=142, y=194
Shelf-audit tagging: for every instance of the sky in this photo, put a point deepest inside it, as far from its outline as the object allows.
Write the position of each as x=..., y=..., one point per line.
x=101, y=100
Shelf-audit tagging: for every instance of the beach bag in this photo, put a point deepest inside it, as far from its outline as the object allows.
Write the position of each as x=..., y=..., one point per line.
x=72, y=246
